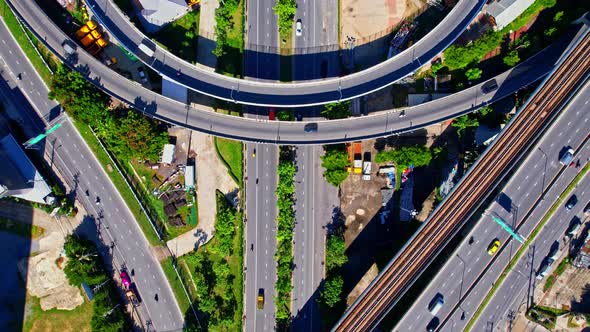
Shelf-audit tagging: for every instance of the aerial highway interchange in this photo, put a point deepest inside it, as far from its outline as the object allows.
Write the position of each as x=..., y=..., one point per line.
x=554, y=117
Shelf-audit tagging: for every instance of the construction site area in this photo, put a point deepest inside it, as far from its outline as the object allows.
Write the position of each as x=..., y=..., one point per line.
x=382, y=205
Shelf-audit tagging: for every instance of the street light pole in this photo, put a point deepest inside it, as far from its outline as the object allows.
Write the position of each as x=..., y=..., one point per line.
x=544, y=171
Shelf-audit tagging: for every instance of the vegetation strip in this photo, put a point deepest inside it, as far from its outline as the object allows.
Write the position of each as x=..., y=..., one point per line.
x=523, y=248
x=230, y=153
x=285, y=223
x=216, y=270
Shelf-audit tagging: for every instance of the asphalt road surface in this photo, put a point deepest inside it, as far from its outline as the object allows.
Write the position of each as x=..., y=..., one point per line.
x=316, y=51
x=376, y=125
x=286, y=95
x=77, y=163
x=315, y=203
x=261, y=173
x=316, y=55
x=520, y=200
x=261, y=212
x=262, y=41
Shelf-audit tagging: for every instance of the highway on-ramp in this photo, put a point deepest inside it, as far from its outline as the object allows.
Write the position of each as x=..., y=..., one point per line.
x=288, y=94
x=77, y=163
x=280, y=132
x=525, y=198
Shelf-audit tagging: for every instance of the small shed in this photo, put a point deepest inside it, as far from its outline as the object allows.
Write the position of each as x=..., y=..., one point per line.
x=189, y=177
x=168, y=154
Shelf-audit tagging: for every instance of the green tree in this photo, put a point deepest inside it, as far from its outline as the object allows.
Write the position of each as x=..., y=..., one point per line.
x=335, y=253
x=285, y=10
x=512, y=58
x=78, y=96
x=405, y=156
x=83, y=264
x=464, y=122
x=133, y=136
x=335, y=161
x=225, y=228
x=332, y=291
x=337, y=110
x=473, y=74
x=436, y=67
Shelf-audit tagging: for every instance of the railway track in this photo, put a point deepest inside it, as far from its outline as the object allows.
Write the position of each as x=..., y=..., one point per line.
x=476, y=185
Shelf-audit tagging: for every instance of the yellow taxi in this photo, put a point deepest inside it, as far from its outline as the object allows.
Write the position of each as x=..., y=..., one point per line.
x=493, y=247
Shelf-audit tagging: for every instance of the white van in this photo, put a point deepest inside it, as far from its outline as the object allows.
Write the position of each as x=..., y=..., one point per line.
x=436, y=303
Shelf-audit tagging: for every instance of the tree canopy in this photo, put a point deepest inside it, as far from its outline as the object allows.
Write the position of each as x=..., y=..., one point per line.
x=332, y=291
x=337, y=110
x=512, y=58
x=335, y=161
x=464, y=122
x=285, y=10
x=404, y=156
x=473, y=74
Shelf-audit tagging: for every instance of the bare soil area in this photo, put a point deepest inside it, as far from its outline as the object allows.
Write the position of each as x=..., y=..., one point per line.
x=367, y=20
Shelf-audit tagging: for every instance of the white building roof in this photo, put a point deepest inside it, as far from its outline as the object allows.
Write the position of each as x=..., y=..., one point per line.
x=189, y=177
x=168, y=154
x=159, y=12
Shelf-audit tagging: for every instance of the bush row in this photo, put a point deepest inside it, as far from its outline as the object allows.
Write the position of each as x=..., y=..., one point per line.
x=285, y=223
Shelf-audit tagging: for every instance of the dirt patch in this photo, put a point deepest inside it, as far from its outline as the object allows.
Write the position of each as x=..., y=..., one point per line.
x=362, y=285
x=47, y=281
x=367, y=20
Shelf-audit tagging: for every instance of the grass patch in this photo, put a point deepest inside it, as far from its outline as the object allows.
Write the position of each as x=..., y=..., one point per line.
x=231, y=154
x=18, y=34
x=19, y=228
x=231, y=62
x=175, y=284
x=119, y=183
x=77, y=320
x=524, y=246
x=558, y=271
x=181, y=36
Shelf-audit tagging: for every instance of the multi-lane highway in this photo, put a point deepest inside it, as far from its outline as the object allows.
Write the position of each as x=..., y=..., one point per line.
x=316, y=51
x=521, y=200
x=83, y=172
x=261, y=213
x=286, y=95
x=447, y=219
x=315, y=202
x=315, y=199
x=261, y=174
x=261, y=60
x=514, y=290
x=377, y=125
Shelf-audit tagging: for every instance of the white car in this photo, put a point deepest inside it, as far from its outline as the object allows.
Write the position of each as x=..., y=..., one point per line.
x=298, y=28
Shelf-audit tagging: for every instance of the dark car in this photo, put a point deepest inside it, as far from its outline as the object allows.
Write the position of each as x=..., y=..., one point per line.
x=587, y=209
x=433, y=324
x=571, y=202
x=489, y=86
x=311, y=127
